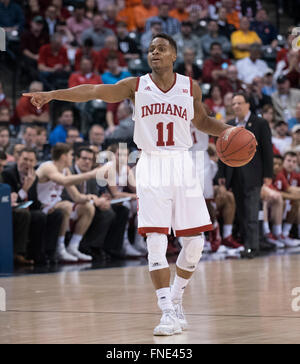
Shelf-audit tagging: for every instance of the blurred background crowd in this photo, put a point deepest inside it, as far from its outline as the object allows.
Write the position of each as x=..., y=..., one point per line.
x=227, y=46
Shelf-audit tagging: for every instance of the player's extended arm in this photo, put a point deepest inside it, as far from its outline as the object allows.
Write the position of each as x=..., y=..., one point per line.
x=292, y=193
x=201, y=120
x=109, y=93
x=51, y=173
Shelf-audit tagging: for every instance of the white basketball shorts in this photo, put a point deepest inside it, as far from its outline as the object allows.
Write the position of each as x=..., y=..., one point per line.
x=170, y=195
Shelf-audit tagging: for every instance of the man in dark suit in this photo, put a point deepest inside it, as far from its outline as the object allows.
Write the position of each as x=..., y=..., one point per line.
x=106, y=231
x=44, y=229
x=246, y=181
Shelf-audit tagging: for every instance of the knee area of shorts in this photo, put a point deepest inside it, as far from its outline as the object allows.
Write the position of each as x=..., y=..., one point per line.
x=87, y=208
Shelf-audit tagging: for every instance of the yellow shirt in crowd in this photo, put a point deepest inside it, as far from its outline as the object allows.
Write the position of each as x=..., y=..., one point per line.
x=239, y=37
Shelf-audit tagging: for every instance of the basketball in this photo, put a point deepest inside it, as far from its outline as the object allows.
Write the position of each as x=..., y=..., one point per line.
x=236, y=147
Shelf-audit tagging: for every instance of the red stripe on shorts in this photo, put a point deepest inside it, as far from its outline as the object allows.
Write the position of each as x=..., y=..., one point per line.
x=145, y=230
x=193, y=231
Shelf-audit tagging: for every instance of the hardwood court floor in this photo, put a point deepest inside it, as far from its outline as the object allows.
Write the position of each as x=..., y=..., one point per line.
x=227, y=302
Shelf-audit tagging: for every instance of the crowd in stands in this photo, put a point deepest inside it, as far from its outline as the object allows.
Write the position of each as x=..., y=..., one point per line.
x=227, y=46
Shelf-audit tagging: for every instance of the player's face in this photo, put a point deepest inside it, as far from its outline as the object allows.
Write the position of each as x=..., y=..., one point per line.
x=290, y=163
x=161, y=55
x=277, y=166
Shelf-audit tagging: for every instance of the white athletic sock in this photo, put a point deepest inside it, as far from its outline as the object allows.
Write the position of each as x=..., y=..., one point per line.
x=178, y=288
x=227, y=231
x=61, y=243
x=164, y=299
x=286, y=229
x=266, y=227
x=277, y=230
x=75, y=241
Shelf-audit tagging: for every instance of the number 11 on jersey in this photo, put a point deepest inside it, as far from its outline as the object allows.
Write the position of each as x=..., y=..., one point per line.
x=170, y=129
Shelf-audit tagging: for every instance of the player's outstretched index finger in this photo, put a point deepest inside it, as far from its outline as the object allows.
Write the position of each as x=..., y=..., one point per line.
x=28, y=94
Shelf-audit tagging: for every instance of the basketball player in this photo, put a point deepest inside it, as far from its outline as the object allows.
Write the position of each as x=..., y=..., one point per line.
x=54, y=176
x=165, y=105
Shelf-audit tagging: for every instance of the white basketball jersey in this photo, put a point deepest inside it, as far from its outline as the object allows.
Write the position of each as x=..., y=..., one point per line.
x=49, y=193
x=163, y=118
x=200, y=139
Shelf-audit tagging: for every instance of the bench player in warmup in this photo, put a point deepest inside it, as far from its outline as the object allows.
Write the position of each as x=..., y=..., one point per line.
x=165, y=105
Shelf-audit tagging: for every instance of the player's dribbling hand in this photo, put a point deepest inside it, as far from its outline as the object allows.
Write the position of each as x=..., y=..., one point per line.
x=38, y=99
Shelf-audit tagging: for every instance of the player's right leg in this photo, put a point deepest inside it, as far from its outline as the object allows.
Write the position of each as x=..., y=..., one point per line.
x=62, y=255
x=160, y=275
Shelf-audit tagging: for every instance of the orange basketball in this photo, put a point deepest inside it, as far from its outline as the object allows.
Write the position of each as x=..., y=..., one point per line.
x=236, y=147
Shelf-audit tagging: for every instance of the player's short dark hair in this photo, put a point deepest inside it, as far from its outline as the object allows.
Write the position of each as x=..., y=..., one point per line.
x=83, y=149
x=289, y=153
x=244, y=95
x=60, y=149
x=2, y=156
x=27, y=150
x=168, y=38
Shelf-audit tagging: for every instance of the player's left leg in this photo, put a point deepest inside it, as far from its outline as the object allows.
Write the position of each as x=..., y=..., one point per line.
x=160, y=275
x=186, y=264
x=85, y=214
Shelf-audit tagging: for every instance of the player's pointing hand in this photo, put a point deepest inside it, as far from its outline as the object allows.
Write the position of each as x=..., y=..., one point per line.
x=39, y=99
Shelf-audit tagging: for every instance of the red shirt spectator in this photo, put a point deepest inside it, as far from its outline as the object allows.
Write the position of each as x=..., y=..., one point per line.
x=51, y=58
x=292, y=178
x=86, y=74
x=210, y=66
x=90, y=53
x=102, y=59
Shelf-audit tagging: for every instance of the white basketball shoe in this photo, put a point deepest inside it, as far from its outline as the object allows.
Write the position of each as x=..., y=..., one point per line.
x=63, y=256
x=180, y=314
x=80, y=256
x=169, y=324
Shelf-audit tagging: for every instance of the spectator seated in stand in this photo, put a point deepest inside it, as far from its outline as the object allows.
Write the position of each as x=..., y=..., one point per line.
x=5, y=143
x=78, y=22
x=215, y=102
x=155, y=28
x=186, y=39
x=65, y=120
x=42, y=147
x=141, y=13
x=281, y=140
x=73, y=136
x=269, y=84
x=215, y=67
x=257, y=99
x=289, y=67
x=213, y=36
x=242, y=39
x=114, y=72
x=85, y=75
x=51, y=19
x=188, y=67
x=96, y=137
x=225, y=28
x=252, y=66
x=264, y=29
x=11, y=17
x=285, y=99
x=31, y=41
x=86, y=51
x=53, y=64
x=98, y=33
x=26, y=113
x=291, y=122
x=111, y=46
x=179, y=12
x=4, y=116
x=170, y=25
x=233, y=17
x=127, y=45
x=231, y=83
